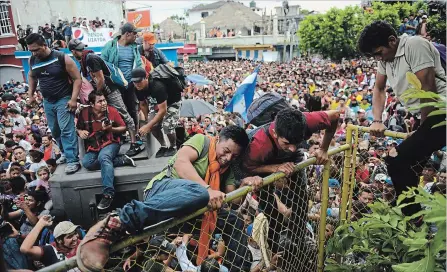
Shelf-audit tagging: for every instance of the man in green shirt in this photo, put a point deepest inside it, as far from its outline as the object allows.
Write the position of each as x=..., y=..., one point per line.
x=189, y=182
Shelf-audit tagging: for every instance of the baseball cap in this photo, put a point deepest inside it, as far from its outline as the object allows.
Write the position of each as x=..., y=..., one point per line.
x=129, y=27
x=380, y=177
x=333, y=183
x=149, y=37
x=424, y=17
x=138, y=74
x=63, y=228
x=361, y=110
x=162, y=243
x=76, y=44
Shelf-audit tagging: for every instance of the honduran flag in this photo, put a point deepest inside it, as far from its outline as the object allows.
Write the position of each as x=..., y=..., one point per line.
x=244, y=95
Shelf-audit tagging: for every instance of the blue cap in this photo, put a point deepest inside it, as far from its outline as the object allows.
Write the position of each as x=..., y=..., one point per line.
x=388, y=181
x=250, y=229
x=333, y=183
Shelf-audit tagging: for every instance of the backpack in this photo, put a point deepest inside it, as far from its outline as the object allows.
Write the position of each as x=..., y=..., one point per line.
x=174, y=78
x=116, y=76
x=264, y=109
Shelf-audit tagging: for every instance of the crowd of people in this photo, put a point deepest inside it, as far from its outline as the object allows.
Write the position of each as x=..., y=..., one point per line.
x=41, y=124
x=58, y=35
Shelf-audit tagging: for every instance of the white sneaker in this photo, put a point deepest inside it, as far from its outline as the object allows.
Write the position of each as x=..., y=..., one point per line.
x=61, y=159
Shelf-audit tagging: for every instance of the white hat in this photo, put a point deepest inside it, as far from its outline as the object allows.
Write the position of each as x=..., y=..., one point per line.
x=64, y=228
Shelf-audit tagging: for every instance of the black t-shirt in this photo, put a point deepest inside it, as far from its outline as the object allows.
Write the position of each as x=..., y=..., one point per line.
x=95, y=64
x=49, y=256
x=158, y=92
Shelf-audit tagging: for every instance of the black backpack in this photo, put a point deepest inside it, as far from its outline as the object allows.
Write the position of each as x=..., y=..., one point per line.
x=264, y=109
x=174, y=78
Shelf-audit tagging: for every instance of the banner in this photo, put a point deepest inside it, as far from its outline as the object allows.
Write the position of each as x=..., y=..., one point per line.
x=140, y=19
x=98, y=37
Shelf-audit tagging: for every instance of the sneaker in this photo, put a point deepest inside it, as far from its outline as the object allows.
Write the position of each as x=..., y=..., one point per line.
x=161, y=152
x=105, y=202
x=62, y=159
x=128, y=161
x=72, y=168
x=135, y=149
x=170, y=152
x=93, y=251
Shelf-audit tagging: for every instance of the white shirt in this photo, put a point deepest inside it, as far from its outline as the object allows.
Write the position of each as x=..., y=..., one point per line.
x=186, y=264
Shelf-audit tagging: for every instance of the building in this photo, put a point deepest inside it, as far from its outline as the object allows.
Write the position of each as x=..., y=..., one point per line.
x=171, y=28
x=244, y=21
x=36, y=13
x=203, y=10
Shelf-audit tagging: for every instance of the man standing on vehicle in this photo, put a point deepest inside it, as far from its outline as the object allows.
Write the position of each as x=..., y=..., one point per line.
x=397, y=56
x=60, y=81
x=152, y=54
x=93, y=65
x=123, y=53
x=161, y=105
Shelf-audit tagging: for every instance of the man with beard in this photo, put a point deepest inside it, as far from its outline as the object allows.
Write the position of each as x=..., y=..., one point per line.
x=152, y=54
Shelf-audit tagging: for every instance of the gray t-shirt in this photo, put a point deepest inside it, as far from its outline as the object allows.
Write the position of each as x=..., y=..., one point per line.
x=413, y=55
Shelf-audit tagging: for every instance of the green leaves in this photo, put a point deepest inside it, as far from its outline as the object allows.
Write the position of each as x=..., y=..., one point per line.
x=387, y=240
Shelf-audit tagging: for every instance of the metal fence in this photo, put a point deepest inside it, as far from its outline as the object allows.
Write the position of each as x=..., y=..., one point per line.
x=282, y=227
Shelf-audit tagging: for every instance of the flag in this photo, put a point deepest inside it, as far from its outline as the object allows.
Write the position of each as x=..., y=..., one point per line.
x=244, y=95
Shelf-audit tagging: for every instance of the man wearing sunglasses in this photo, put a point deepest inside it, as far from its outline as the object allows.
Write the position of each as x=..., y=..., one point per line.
x=123, y=53
x=397, y=56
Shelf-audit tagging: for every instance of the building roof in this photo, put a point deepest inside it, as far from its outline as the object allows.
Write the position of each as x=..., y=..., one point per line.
x=241, y=16
x=169, y=26
x=210, y=6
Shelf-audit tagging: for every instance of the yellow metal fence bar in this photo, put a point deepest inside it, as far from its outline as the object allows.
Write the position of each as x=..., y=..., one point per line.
x=324, y=206
x=353, y=172
x=388, y=133
x=346, y=176
x=71, y=263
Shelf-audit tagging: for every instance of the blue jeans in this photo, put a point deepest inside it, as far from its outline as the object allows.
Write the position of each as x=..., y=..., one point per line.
x=166, y=199
x=61, y=122
x=106, y=159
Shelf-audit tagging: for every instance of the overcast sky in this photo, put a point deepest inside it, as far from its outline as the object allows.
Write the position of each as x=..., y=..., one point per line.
x=161, y=10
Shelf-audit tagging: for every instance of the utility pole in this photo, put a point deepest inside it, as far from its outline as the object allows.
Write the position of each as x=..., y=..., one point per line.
x=285, y=6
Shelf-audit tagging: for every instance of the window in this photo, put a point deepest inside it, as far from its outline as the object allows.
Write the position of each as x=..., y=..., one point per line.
x=5, y=21
x=204, y=14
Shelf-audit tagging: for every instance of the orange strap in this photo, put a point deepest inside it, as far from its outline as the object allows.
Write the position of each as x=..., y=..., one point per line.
x=209, y=220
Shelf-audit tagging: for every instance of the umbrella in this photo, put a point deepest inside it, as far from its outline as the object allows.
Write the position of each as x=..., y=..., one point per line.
x=199, y=80
x=194, y=108
x=8, y=96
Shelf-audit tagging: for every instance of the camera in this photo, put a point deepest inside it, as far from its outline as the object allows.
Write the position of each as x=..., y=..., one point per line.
x=106, y=122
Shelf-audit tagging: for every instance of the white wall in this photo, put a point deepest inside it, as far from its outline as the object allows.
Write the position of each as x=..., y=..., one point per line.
x=38, y=12
x=10, y=72
x=196, y=16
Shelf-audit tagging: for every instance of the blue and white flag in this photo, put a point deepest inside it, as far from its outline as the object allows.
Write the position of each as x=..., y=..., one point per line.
x=244, y=95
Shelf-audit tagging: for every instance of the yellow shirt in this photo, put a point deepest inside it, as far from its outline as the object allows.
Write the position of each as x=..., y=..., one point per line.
x=312, y=88
x=421, y=181
x=334, y=105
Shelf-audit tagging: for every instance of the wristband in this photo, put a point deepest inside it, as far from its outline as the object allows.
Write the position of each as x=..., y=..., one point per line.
x=377, y=121
x=207, y=187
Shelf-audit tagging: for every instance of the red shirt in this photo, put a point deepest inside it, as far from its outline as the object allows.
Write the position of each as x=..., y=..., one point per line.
x=261, y=150
x=98, y=138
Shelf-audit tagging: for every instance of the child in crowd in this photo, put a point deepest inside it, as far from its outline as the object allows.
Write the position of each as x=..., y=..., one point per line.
x=37, y=162
x=42, y=183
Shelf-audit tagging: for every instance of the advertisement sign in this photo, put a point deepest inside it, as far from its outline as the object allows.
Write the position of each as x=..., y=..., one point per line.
x=140, y=18
x=93, y=38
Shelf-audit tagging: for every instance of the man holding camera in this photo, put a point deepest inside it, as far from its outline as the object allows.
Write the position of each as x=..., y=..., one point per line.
x=100, y=126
